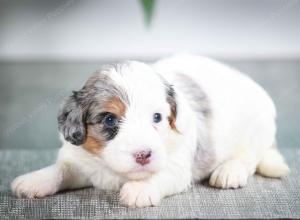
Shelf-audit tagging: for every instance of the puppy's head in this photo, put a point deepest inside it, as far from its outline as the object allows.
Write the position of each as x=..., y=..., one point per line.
x=124, y=115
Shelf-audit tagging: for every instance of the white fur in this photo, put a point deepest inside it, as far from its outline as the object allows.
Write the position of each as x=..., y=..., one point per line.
x=236, y=138
x=272, y=164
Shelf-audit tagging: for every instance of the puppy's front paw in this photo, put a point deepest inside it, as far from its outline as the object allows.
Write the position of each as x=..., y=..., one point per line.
x=139, y=194
x=231, y=174
x=34, y=185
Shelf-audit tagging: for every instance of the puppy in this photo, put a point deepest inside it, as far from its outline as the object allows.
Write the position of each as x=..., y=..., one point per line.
x=153, y=130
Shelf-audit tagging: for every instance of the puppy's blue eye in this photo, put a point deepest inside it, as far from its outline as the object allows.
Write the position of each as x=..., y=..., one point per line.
x=110, y=121
x=156, y=117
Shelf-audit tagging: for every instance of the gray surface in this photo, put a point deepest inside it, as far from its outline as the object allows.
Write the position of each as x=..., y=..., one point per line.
x=30, y=94
x=261, y=198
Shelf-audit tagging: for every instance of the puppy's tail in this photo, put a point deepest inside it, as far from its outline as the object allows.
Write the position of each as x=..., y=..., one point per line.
x=272, y=164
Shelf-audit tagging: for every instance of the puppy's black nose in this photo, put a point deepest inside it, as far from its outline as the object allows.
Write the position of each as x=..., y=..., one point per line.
x=143, y=157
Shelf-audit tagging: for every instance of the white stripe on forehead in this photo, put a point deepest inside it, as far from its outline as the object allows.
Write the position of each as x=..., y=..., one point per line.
x=139, y=81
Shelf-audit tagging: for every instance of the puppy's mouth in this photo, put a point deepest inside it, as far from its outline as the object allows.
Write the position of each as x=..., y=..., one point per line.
x=139, y=173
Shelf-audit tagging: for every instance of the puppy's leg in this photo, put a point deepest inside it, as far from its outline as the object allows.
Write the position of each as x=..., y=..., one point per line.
x=231, y=174
x=139, y=194
x=234, y=172
x=149, y=192
x=255, y=152
x=272, y=164
x=48, y=181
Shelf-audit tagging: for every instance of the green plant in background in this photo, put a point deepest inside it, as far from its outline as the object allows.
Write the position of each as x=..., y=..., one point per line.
x=148, y=9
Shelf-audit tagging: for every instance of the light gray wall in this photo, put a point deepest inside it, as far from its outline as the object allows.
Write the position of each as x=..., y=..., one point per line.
x=109, y=29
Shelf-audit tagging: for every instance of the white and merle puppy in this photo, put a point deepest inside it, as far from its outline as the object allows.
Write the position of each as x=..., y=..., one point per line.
x=153, y=130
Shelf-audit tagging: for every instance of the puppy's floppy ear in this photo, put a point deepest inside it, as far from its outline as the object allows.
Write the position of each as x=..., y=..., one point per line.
x=71, y=121
x=171, y=99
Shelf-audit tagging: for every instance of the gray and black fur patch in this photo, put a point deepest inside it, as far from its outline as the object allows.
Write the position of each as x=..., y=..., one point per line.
x=204, y=156
x=84, y=106
x=171, y=99
x=71, y=120
x=195, y=94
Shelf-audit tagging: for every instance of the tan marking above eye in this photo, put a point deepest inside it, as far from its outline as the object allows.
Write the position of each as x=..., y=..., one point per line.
x=115, y=106
x=172, y=121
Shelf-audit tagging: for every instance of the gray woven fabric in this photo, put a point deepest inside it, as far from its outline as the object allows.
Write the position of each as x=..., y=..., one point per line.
x=262, y=198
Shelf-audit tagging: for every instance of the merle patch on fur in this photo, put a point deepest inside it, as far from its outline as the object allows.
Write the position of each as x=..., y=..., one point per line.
x=83, y=107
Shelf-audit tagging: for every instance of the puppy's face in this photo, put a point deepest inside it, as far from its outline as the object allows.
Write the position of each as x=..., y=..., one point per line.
x=124, y=115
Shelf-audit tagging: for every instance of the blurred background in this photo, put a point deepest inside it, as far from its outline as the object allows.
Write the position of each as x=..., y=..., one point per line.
x=48, y=48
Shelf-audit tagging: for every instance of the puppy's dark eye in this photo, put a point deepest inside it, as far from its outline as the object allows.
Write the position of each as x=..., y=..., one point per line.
x=110, y=121
x=156, y=117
